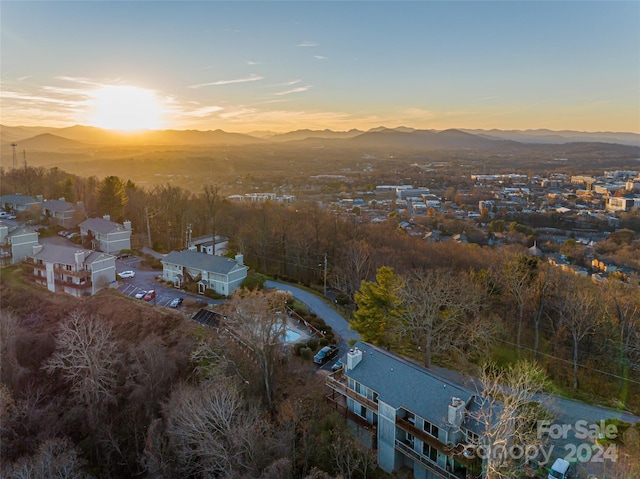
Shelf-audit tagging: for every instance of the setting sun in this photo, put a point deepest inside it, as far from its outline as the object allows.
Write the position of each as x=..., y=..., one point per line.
x=125, y=108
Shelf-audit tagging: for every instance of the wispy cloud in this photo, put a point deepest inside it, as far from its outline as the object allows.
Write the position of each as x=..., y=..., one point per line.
x=201, y=112
x=293, y=90
x=251, y=63
x=308, y=44
x=319, y=57
x=228, y=82
x=288, y=83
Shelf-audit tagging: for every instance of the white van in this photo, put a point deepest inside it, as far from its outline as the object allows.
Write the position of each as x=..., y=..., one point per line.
x=559, y=470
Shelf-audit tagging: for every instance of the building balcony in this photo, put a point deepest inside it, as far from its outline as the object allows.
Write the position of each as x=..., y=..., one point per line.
x=407, y=450
x=76, y=274
x=338, y=382
x=80, y=286
x=455, y=452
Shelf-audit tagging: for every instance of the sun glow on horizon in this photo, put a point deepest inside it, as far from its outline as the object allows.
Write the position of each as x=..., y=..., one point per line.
x=125, y=108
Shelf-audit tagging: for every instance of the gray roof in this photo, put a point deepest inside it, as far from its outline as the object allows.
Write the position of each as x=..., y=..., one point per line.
x=58, y=205
x=51, y=253
x=18, y=199
x=100, y=225
x=401, y=383
x=203, y=261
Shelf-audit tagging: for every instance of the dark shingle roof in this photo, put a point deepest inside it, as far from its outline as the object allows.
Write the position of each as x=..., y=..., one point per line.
x=51, y=253
x=401, y=383
x=202, y=261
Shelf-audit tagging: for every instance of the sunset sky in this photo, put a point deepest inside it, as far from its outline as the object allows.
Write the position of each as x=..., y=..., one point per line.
x=277, y=65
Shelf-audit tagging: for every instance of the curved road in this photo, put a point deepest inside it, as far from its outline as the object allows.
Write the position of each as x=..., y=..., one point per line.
x=320, y=308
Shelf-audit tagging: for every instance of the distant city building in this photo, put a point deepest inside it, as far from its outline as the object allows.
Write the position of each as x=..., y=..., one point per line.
x=587, y=181
x=549, y=183
x=499, y=177
x=619, y=204
x=608, y=189
x=620, y=174
x=404, y=193
x=263, y=198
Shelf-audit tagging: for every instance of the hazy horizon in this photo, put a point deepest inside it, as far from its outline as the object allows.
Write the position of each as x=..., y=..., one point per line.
x=283, y=66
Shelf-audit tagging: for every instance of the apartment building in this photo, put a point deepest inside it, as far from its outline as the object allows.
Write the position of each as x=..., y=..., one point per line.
x=71, y=270
x=410, y=415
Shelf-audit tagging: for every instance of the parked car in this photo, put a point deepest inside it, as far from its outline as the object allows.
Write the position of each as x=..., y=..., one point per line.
x=10, y=216
x=140, y=294
x=127, y=274
x=63, y=233
x=560, y=469
x=150, y=295
x=175, y=302
x=3, y=214
x=325, y=354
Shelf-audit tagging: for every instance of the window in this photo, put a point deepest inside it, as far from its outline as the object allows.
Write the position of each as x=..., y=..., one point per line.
x=430, y=452
x=363, y=411
x=431, y=429
x=411, y=418
x=472, y=437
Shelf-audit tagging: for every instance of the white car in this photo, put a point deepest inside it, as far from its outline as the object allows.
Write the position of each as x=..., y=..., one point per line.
x=140, y=294
x=127, y=274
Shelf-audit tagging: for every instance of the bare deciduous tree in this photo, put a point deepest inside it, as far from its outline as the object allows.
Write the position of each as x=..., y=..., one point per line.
x=579, y=310
x=54, y=458
x=518, y=274
x=87, y=357
x=211, y=431
x=624, y=307
x=507, y=409
x=437, y=305
x=356, y=266
x=258, y=321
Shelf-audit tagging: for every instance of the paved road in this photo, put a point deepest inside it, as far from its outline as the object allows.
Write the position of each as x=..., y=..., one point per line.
x=320, y=308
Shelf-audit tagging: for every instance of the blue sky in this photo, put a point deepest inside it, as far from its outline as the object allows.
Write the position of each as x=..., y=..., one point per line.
x=277, y=65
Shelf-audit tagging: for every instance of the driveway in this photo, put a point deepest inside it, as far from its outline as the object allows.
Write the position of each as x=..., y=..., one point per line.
x=320, y=308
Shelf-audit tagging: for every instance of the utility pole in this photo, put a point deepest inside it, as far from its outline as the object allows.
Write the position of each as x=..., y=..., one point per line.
x=146, y=212
x=325, y=274
x=15, y=164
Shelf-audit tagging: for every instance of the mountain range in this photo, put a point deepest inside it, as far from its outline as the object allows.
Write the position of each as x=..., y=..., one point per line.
x=82, y=137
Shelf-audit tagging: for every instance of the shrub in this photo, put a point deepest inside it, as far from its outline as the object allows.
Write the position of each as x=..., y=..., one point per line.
x=323, y=342
x=297, y=347
x=254, y=281
x=306, y=353
x=210, y=293
x=312, y=344
x=343, y=299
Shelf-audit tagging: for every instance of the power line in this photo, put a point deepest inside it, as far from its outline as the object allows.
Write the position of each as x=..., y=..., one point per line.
x=571, y=362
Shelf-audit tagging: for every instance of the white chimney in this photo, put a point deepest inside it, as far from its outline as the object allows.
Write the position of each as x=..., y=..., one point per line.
x=107, y=217
x=240, y=259
x=455, y=416
x=79, y=257
x=127, y=225
x=354, y=356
